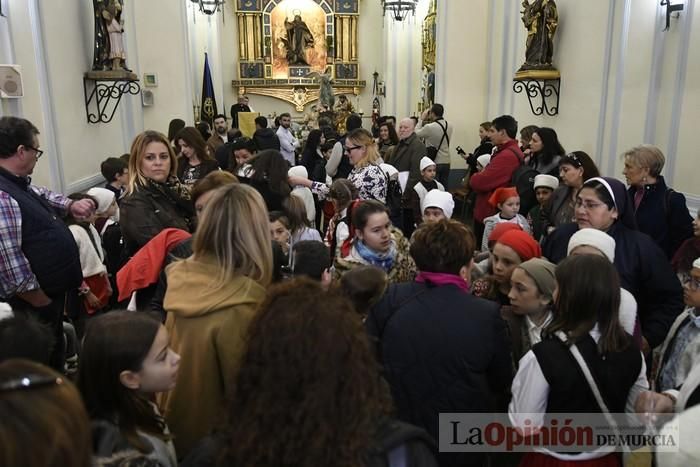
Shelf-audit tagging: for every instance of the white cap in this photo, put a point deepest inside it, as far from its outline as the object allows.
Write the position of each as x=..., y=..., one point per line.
x=5, y=311
x=104, y=198
x=426, y=162
x=439, y=199
x=696, y=263
x=547, y=181
x=299, y=171
x=594, y=238
x=484, y=159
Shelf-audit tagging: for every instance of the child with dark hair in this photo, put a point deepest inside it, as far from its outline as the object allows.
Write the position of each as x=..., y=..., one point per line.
x=364, y=286
x=126, y=360
x=310, y=258
x=23, y=336
x=116, y=172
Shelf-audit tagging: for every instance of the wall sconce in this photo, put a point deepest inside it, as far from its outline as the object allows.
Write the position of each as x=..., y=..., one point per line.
x=670, y=9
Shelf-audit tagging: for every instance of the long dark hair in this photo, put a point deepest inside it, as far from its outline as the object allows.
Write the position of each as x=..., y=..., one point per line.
x=551, y=146
x=116, y=342
x=308, y=389
x=269, y=166
x=193, y=138
x=580, y=159
x=393, y=137
x=589, y=294
x=312, y=142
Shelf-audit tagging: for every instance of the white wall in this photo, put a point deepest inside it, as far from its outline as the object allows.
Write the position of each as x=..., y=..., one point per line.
x=624, y=82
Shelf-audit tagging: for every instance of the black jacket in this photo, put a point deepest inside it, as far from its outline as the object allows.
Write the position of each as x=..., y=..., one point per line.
x=147, y=211
x=47, y=243
x=265, y=138
x=443, y=350
x=663, y=215
x=644, y=271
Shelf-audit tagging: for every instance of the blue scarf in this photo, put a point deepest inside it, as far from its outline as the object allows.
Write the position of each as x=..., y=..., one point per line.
x=383, y=261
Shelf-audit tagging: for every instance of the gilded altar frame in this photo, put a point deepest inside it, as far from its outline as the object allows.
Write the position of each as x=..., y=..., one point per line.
x=255, y=50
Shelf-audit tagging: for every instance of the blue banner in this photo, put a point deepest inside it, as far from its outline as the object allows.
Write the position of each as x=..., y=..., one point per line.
x=208, y=109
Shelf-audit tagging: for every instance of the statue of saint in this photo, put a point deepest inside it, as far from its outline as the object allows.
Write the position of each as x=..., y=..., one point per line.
x=101, y=42
x=108, y=47
x=540, y=18
x=299, y=38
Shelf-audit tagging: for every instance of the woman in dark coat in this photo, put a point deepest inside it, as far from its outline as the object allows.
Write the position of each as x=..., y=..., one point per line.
x=436, y=357
x=603, y=204
x=660, y=211
x=155, y=199
x=312, y=155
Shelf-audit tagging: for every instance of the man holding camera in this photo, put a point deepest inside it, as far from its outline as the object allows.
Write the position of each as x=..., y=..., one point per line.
x=434, y=130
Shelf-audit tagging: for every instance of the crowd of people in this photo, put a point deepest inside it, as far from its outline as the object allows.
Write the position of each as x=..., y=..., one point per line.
x=260, y=300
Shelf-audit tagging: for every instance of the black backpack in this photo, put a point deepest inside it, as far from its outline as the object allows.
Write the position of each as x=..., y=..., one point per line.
x=524, y=181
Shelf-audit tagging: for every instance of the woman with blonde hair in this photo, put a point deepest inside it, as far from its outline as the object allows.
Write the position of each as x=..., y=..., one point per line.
x=660, y=211
x=154, y=199
x=211, y=299
x=366, y=175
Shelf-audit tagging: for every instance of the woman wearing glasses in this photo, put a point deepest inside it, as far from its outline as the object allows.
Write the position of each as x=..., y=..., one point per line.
x=603, y=204
x=574, y=169
x=366, y=175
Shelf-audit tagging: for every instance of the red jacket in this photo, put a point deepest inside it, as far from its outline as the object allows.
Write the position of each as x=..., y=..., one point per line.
x=144, y=268
x=497, y=174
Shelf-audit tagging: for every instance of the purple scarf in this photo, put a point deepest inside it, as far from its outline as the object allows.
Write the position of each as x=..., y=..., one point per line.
x=441, y=278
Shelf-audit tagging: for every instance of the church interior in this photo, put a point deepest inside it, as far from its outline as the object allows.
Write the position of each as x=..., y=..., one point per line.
x=245, y=232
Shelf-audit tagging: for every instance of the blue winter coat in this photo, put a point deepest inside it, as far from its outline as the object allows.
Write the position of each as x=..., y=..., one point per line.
x=443, y=350
x=663, y=215
x=644, y=270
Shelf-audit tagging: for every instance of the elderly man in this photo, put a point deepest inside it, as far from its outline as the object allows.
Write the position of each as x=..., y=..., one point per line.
x=406, y=158
x=434, y=130
x=241, y=106
x=40, y=260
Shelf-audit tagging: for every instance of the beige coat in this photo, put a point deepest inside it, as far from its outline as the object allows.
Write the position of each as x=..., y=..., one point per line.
x=207, y=326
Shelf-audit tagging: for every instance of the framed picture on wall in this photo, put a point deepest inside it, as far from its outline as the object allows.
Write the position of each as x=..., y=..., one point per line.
x=150, y=80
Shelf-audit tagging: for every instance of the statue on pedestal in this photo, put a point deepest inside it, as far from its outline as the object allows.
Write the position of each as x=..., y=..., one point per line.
x=541, y=19
x=109, y=44
x=299, y=38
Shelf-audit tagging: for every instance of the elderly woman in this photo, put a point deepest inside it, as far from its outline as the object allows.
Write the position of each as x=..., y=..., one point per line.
x=603, y=204
x=442, y=349
x=660, y=211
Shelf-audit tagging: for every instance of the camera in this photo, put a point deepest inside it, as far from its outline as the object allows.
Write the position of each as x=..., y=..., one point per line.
x=460, y=151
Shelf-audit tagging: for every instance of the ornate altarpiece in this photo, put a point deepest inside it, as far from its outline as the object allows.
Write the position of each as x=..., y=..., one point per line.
x=263, y=68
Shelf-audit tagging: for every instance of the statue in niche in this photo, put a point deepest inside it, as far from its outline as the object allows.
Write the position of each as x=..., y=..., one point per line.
x=541, y=19
x=299, y=38
x=343, y=109
x=109, y=44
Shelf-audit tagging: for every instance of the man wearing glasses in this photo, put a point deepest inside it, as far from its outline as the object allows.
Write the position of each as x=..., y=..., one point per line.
x=39, y=260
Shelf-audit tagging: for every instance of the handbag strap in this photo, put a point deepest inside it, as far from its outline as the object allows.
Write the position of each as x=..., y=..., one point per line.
x=594, y=387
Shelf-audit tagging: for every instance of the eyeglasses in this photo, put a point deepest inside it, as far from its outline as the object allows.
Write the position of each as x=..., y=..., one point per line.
x=29, y=381
x=351, y=148
x=39, y=152
x=587, y=205
x=689, y=281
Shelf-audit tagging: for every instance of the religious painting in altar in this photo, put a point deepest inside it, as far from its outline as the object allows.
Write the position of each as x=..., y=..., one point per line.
x=298, y=39
x=288, y=48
